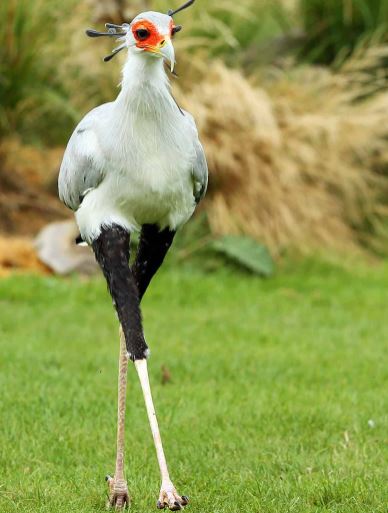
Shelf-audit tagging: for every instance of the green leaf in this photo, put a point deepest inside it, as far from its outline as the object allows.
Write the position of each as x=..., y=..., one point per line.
x=245, y=252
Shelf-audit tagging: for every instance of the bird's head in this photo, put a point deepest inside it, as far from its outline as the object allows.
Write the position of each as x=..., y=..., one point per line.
x=149, y=32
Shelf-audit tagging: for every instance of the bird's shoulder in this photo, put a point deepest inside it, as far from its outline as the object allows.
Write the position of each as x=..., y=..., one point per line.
x=199, y=166
x=190, y=122
x=93, y=120
x=81, y=169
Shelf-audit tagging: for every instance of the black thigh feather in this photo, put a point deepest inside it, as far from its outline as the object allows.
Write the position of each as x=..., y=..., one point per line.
x=111, y=249
x=153, y=246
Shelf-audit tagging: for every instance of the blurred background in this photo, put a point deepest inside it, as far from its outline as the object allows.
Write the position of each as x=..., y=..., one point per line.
x=291, y=101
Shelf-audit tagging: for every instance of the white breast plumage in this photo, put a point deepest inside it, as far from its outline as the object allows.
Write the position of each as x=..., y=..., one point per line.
x=153, y=182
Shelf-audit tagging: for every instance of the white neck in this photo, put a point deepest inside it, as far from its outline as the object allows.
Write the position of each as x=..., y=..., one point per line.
x=145, y=88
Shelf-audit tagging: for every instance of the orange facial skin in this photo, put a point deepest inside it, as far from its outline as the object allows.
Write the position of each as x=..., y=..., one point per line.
x=155, y=38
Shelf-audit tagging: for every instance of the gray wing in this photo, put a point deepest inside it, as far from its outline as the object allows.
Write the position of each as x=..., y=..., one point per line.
x=81, y=168
x=200, y=169
x=200, y=173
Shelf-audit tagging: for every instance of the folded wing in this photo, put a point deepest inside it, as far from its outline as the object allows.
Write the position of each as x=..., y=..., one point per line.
x=200, y=169
x=81, y=169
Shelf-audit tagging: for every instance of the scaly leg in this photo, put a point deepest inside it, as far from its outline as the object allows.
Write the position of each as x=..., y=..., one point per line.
x=119, y=497
x=168, y=495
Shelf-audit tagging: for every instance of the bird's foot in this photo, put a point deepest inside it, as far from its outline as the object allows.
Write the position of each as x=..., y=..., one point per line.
x=118, y=493
x=169, y=498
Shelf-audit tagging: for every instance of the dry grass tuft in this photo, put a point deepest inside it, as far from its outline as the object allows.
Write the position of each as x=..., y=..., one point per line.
x=301, y=165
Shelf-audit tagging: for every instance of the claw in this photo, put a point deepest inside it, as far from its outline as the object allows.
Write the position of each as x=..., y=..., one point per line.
x=118, y=493
x=170, y=499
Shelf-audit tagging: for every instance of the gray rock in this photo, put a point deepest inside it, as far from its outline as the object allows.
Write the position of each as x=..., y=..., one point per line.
x=56, y=248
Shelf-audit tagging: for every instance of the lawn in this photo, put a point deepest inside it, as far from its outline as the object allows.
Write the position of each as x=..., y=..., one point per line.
x=277, y=400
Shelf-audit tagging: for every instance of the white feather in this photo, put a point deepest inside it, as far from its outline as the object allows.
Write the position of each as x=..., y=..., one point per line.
x=134, y=157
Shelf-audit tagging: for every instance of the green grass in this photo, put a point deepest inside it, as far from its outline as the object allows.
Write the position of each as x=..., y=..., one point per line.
x=273, y=385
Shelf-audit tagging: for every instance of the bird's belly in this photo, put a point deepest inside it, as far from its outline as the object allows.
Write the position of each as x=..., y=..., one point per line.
x=153, y=187
x=156, y=195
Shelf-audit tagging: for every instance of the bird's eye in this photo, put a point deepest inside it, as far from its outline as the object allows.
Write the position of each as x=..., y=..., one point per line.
x=142, y=34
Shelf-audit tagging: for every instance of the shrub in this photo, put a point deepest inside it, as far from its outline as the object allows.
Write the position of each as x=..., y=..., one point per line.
x=33, y=101
x=334, y=28
x=302, y=166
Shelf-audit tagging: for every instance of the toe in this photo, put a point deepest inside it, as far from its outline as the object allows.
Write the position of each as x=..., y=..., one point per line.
x=172, y=503
x=181, y=500
x=170, y=499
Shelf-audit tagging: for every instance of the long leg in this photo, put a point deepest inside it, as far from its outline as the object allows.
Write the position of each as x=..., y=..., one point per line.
x=112, y=253
x=153, y=247
x=119, y=496
x=168, y=495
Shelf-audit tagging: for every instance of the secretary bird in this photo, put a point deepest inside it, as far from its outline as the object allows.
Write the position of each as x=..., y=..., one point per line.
x=135, y=164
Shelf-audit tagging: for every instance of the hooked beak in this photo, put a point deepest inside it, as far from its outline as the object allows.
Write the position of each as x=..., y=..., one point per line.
x=166, y=50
